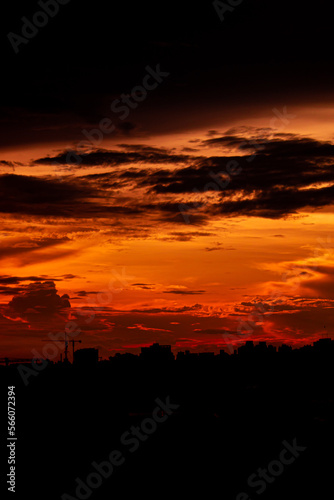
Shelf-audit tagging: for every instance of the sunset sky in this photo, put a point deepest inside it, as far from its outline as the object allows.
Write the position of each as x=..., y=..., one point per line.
x=204, y=218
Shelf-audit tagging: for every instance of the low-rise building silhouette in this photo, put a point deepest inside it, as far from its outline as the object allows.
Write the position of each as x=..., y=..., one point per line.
x=86, y=357
x=157, y=352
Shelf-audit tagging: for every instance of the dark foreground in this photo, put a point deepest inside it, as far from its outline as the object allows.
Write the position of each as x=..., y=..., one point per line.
x=206, y=428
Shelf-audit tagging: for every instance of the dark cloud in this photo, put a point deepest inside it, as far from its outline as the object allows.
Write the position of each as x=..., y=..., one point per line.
x=12, y=247
x=36, y=196
x=172, y=310
x=9, y=164
x=15, y=280
x=283, y=178
x=14, y=285
x=115, y=158
x=12, y=290
x=143, y=286
x=39, y=298
x=55, y=198
x=185, y=236
x=212, y=249
x=318, y=280
x=294, y=148
x=288, y=174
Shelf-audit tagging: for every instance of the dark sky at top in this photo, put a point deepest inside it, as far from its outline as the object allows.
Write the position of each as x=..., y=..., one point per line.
x=91, y=52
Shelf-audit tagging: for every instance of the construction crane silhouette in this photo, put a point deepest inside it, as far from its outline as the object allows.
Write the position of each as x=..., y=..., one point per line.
x=66, y=341
x=73, y=342
x=9, y=361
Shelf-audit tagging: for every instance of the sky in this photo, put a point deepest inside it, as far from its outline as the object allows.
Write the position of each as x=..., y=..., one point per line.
x=166, y=176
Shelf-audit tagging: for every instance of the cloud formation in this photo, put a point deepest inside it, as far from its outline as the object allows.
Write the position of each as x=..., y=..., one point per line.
x=39, y=298
x=269, y=177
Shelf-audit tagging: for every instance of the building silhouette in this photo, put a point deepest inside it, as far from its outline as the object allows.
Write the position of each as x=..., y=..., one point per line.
x=86, y=357
x=157, y=352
